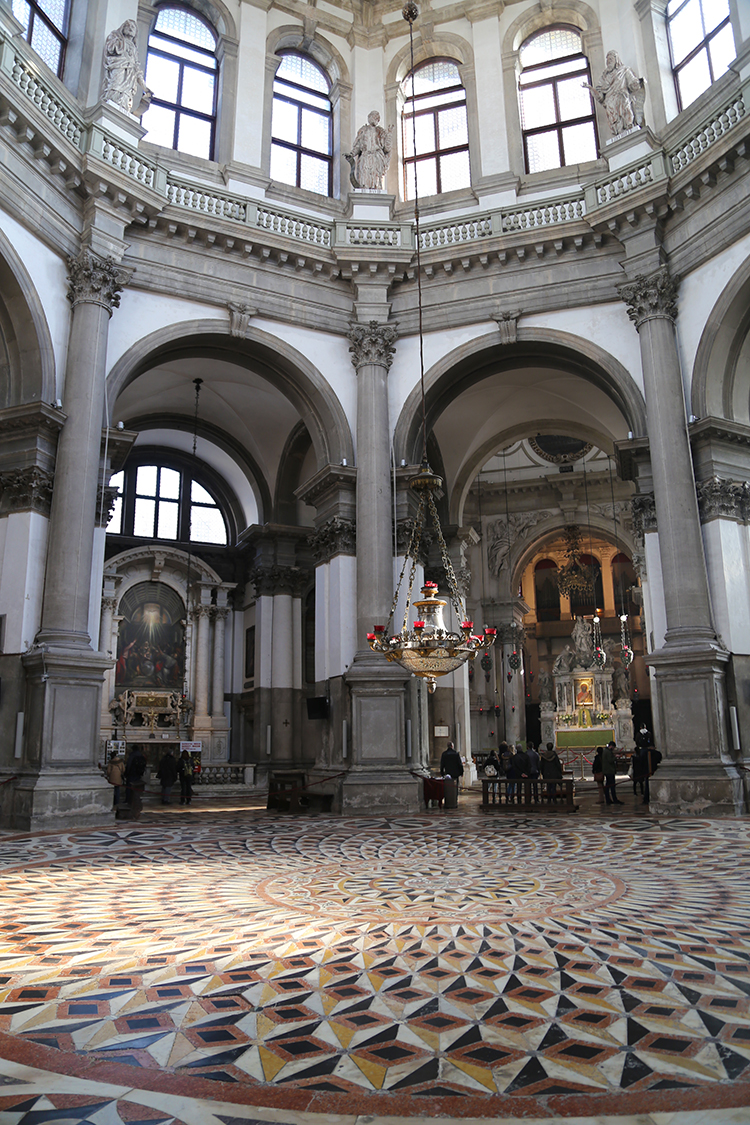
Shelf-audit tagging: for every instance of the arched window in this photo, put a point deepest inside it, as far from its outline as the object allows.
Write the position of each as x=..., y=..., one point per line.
x=437, y=112
x=588, y=601
x=161, y=502
x=547, y=593
x=182, y=70
x=623, y=581
x=45, y=27
x=557, y=114
x=301, y=126
x=701, y=44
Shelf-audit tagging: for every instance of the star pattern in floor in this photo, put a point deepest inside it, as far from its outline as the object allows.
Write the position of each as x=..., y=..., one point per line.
x=470, y=966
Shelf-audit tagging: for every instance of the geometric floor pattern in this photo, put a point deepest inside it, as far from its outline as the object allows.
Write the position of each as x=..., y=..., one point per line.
x=460, y=966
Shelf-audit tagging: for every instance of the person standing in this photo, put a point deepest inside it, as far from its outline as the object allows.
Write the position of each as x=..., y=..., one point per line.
x=609, y=766
x=451, y=766
x=185, y=773
x=535, y=763
x=116, y=776
x=167, y=774
x=135, y=770
x=552, y=771
x=598, y=772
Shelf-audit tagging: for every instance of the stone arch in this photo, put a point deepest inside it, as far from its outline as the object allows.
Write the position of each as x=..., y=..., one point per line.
x=214, y=12
x=27, y=358
x=135, y=563
x=523, y=550
x=294, y=38
x=271, y=358
x=487, y=355
x=574, y=12
x=717, y=387
x=443, y=45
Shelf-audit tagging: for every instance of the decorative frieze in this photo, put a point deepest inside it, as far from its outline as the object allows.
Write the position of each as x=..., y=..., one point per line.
x=723, y=499
x=95, y=281
x=644, y=513
x=650, y=297
x=502, y=534
x=271, y=580
x=27, y=490
x=372, y=343
x=336, y=537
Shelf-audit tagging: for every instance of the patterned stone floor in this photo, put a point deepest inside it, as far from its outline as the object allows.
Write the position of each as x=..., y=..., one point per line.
x=438, y=966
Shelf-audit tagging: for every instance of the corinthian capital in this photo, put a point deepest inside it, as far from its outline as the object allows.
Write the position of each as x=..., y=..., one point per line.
x=372, y=343
x=648, y=297
x=94, y=281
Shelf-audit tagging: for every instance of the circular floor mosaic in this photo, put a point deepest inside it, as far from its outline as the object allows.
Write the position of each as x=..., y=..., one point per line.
x=461, y=965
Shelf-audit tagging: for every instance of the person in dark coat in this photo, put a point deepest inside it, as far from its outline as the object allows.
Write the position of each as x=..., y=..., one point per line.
x=451, y=764
x=610, y=769
x=185, y=773
x=509, y=769
x=135, y=770
x=167, y=774
x=639, y=769
x=552, y=770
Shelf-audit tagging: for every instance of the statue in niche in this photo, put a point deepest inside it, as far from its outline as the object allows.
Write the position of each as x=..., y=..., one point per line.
x=621, y=93
x=122, y=70
x=621, y=683
x=584, y=643
x=564, y=663
x=371, y=153
x=545, y=686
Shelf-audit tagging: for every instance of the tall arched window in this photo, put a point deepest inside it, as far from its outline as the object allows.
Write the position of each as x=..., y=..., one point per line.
x=301, y=126
x=557, y=114
x=701, y=44
x=587, y=602
x=623, y=580
x=181, y=71
x=161, y=502
x=437, y=111
x=547, y=593
x=45, y=27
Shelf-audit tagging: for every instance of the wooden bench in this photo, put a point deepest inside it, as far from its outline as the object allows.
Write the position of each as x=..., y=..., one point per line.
x=528, y=793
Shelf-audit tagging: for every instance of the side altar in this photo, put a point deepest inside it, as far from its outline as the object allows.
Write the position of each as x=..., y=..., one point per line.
x=585, y=703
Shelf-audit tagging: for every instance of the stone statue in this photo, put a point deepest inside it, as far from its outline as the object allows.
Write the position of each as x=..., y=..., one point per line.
x=620, y=683
x=545, y=686
x=122, y=709
x=371, y=153
x=584, y=643
x=122, y=70
x=564, y=662
x=621, y=93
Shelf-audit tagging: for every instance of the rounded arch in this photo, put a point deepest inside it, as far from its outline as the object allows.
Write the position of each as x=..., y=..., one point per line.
x=444, y=45
x=293, y=38
x=523, y=551
x=487, y=356
x=24, y=331
x=214, y=12
x=174, y=569
x=270, y=358
x=715, y=387
x=574, y=12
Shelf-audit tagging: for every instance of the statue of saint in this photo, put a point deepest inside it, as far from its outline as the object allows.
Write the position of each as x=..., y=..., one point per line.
x=371, y=153
x=545, y=686
x=564, y=662
x=122, y=70
x=584, y=643
x=621, y=93
x=620, y=683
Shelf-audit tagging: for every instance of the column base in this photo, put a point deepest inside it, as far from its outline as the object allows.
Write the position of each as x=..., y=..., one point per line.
x=381, y=792
x=56, y=800
x=700, y=789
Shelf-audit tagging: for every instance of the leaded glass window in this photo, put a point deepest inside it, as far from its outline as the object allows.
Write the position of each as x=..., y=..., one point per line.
x=435, y=130
x=301, y=126
x=161, y=502
x=182, y=73
x=701, y=43
x=557, y=114
x=45, y=27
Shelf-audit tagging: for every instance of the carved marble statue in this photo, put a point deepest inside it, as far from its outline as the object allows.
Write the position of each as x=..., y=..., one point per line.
x=564, y=662
x=621, y=93
x=584, y=643
x=620, y=683
x=122, y=70
x=122, y=709
x=371, y=153
x=546, y=686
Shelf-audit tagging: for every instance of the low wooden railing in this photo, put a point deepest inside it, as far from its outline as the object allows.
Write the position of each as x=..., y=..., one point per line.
x=526, y=792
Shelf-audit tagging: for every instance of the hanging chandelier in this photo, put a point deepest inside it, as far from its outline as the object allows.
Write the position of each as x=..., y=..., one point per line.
x=575, y=577
x=426, y=647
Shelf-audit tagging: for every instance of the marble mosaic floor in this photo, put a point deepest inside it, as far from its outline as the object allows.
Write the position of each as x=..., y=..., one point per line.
x=246, y=967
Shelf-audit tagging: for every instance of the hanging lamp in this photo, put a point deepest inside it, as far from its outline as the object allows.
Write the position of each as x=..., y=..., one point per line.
x=626, y=643
x=426, y=648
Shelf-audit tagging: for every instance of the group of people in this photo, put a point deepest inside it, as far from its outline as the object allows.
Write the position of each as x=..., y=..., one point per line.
x=128, y=778
x=516, y=763
x=644, y=761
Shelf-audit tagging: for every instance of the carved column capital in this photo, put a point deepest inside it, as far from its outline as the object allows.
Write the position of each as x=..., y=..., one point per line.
x=26, y=490
x=507, y=322
x=644, y=513
x=651, y=297
x=372, y=343
x=271, y=580
x=728, y=499
x=95, y=281
x=336, y=537
x=240, y=315
x=105, y=502
x=109, y=603
x=220, y=612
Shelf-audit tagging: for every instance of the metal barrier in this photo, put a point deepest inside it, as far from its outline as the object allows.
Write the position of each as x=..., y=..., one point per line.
x=499, y=792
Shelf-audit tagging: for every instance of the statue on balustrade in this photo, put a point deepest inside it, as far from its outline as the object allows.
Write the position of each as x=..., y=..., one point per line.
x=620, y=683
x=371, y=153
x=584, y=642
x=123, y=76
x=621, y=93
x=564, y=663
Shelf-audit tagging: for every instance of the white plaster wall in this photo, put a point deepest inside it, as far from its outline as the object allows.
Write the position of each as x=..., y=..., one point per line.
x=251, y=72
x=608, y=326
x=653, y=596
x=727, y=547
x=49, y=275
x=368, y=78
x=142, y=313
x=335, y=616
x=23, y=550
x=490, y=97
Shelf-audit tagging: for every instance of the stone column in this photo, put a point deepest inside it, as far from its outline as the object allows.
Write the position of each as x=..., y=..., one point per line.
x=202, y=618
x=59, y=783
x=109, y=605
x=689, y=666
x=217, y=695
x=379, y=776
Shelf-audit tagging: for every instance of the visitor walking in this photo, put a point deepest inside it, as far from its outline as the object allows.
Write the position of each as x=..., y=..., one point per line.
x=552, y=771
x=185, y=773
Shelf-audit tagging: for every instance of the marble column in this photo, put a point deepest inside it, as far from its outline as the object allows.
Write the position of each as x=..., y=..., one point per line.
x=217, y=694
x=379, y=776
x=202, y=618
x=59, y=783
x=689, y=667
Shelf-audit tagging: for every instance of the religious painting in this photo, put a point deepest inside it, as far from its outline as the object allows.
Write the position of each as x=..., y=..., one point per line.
x=584, y=692
x=151, y=640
